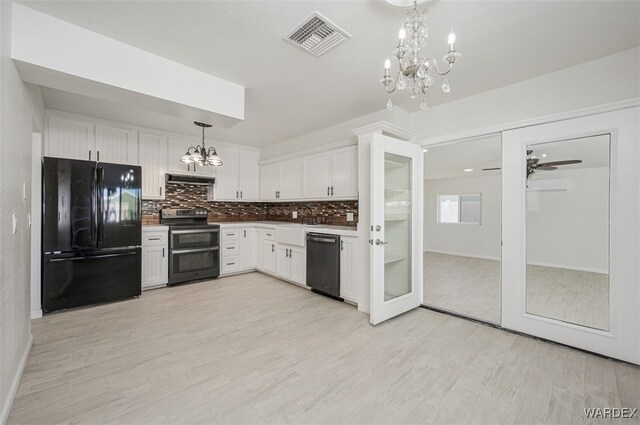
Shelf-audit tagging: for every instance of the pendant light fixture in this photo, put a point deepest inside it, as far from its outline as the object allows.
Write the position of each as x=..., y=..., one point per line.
x=199, y=154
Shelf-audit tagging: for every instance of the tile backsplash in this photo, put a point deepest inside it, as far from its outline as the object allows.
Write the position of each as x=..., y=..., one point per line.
x=194, y=196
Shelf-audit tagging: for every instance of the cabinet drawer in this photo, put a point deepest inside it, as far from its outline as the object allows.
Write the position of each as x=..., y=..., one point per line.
x=230, y=264
x=230, y=234
x=268, y=234
x=229, y=249
x=154, y=238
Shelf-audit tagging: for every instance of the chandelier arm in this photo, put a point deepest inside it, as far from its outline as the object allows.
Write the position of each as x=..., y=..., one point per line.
x=435, y=65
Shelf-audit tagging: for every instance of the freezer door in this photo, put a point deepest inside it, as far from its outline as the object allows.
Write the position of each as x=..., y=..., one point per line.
x=119, y=218
x=73, y=281
x=68, y=213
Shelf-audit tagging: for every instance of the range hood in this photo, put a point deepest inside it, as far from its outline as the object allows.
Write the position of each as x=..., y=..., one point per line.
x=189, y=179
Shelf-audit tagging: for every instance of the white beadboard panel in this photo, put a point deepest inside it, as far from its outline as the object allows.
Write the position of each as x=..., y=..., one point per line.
x=344, y=175
x=317, y=177
x=69, y=138
x=152, y=154
x=291, y=183
x=116, y=145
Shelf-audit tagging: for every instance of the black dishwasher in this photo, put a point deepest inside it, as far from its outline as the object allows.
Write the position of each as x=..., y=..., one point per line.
x=323, y=263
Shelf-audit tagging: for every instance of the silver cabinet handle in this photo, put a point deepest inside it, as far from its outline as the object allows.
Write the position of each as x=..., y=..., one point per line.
x=236, y=194
x=240, y=194
x=98, y=156
x=341, y=245
x=154, y=239
x=245, y=233
x=290, y=253
x=331, y=190
x=160, y=190
x=273, y=247
x=379, y=242
x=328, y=190
x=89, y=154
x=162, y=252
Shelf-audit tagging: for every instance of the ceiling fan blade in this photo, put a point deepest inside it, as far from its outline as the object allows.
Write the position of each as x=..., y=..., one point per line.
x=491, y=169
x=546, y=168
x=554, y=163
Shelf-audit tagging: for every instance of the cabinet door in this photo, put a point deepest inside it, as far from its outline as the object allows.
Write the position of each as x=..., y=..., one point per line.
x=291, y=180
x=269, y=182
x=176, y=148
x=249, y=249
x=69, y=138
x=116, y=145
x=226, y=187
x=155, y=266
x=298, y=260
x=283, y=266
x=152, y=157
x=249, y=175
x=348, y=260
x=344, y=173
x=269, y=256
x=317, y=177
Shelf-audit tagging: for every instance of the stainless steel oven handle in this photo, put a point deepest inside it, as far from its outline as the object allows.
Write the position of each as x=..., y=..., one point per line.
x=193, y=251
x=191, y=232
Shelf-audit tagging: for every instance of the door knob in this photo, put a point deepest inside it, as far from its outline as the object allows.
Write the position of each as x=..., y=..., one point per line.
x=379, y=242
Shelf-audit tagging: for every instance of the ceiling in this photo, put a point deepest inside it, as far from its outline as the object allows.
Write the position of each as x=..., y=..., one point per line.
x=290, y=93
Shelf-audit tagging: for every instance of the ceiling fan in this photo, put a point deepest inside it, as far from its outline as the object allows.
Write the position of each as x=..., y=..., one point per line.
x=534, y=164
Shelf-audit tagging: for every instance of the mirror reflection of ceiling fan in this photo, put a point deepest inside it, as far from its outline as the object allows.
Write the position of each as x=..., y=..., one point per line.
x=534, y=164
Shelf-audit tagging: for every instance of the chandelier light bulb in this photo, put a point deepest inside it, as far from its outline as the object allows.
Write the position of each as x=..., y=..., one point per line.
x=451, y=39
x=402, y=34
x=387, y=64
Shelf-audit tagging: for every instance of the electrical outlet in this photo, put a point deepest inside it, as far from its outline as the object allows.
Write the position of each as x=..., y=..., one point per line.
x=295, y=214
x=349, y=216
x=15, y=223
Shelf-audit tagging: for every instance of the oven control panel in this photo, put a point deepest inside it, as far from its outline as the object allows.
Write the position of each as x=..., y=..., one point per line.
x=183, y=212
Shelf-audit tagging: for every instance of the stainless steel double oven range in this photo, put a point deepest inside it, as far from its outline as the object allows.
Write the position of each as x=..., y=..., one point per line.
x=194, y=245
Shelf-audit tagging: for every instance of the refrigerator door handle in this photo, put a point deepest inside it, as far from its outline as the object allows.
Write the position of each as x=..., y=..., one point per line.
x=92, y=257
x=100, y=212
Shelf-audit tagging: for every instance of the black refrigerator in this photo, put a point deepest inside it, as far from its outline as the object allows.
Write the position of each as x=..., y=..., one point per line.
x=91, y=233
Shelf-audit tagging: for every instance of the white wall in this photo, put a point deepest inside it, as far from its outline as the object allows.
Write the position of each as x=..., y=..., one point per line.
x=570, y=229
x=335, y=133
x=18, y=116
x=609, y=79
x=464, y=239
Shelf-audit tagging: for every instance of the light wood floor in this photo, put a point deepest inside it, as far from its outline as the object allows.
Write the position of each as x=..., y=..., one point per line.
x=464, y=285
x=251, y=349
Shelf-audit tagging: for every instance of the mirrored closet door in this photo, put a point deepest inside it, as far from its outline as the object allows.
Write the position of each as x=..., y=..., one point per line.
x=462, y=202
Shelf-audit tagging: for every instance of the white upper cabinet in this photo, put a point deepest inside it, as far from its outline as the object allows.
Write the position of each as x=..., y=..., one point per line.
x=152, y=154
x=269, y=182
x=291, y=180
x=281, y=181
x=344, y=173
x=69, y=138
x=332, y=175
x=116, y=145
x=176, y=148
x=317, y=176
x=238, y=179
x=249, y=175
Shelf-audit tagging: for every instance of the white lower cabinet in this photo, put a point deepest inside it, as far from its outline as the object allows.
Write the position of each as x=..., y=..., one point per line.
x=268, y=251
x=239, y=250
x=155, y=258
x=291, y=263
x=348, y=276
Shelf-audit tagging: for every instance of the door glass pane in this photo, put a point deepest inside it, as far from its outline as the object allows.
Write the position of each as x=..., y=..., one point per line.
x=397, y=232
x=568, y=231
x=462, y=228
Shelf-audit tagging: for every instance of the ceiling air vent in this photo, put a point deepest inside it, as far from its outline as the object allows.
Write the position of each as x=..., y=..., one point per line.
x=317, y=35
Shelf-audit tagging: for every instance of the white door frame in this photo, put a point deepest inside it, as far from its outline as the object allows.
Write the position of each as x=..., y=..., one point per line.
x=382, y=310
x=622, y=341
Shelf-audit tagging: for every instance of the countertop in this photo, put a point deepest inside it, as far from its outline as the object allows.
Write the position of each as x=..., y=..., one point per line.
x=320, y=228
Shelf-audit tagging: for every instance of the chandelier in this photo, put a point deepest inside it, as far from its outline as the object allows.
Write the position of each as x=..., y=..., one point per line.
x=200, y=154
x=416, y=71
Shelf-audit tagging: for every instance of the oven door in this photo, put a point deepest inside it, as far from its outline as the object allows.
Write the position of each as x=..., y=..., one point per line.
x=194, y=238
x=194, y=264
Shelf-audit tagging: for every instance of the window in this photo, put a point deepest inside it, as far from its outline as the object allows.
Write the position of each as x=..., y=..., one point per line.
x=459, y=208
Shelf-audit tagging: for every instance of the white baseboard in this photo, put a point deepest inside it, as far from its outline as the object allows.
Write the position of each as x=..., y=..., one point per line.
x=564, y=266
x=36, y=314
x=8, y=401
x=462, y=254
